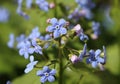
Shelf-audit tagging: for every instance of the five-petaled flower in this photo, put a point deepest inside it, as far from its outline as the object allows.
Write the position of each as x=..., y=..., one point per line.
x=95, y=59
x=31, y=65
x=57, y=27
x=26, y=49
x=46, y=74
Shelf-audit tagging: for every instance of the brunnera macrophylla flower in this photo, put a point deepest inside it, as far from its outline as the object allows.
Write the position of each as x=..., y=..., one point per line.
x=26, y=49
x=11, y=41
x=57, y=27
x=46, y=74
x=19, y=10
x=79, y=32
x=95, y=58
x=31, y=65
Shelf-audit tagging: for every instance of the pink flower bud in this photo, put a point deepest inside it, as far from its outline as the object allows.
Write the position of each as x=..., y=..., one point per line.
x=52, y=5
x=74, y=59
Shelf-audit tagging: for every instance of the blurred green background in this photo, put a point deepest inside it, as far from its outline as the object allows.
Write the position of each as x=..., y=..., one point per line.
x=12, y=65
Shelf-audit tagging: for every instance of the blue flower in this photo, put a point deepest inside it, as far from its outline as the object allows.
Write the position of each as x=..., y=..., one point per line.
x=79, y=32
x=46, y=74
x=95, y=59
x=83, y=53
x=8, y=82
x=4, y=14
x=28, y=3
x=31, y=65
x=38, y=49
x=43, y=5
x=57, y=27
x=11, y=41
x=26, y=49
x=19, y=11
x=96, y=28
x=20, y=39
x=85, y=4
x=35, y=33
x=83, y=37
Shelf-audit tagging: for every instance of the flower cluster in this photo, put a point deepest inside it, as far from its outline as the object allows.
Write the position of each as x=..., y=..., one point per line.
x=29, y=45
x=83, y=10
x=42, y=4
x=94, y=58
x=57, y=31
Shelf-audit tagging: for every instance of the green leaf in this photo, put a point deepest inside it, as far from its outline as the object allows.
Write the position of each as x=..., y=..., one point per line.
x=30, y=78
x=113, y=60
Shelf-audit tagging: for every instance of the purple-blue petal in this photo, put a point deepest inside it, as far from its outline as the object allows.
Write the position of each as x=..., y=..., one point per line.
x=63, y=31
x=51, y=78
x=53, y=72
x=94, y=64
x=62, y=22
x=31, y=50
x=40, y=73
x=26, y=55
x=43, y=79
x=50, y=28
x=53, y=21
x=45, y=69
x=97, y=52
x=56, y=34
x=28, y=69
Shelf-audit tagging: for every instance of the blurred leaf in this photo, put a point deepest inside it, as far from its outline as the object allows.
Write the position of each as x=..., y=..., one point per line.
x=113, y=60
x=30, y=78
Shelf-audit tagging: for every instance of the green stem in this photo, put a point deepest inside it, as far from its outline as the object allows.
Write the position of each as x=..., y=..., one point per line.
x=80, y=79
x=55, y=11
x=60, y=65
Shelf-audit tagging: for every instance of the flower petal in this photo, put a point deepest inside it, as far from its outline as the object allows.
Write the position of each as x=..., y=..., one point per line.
x=45, y=69
x=62, y=22
x=51, y=78
x=97, y=52
x=21, y=51
x=43, y=79
x=31, y=50
x=53, y=72
x=28, y=69
x=39, y=73
x=53, y=21
x=56, y=34
x=26, y=55
x=50, y=29
x=94, y=64
x=63, y=30
x=31, y=58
